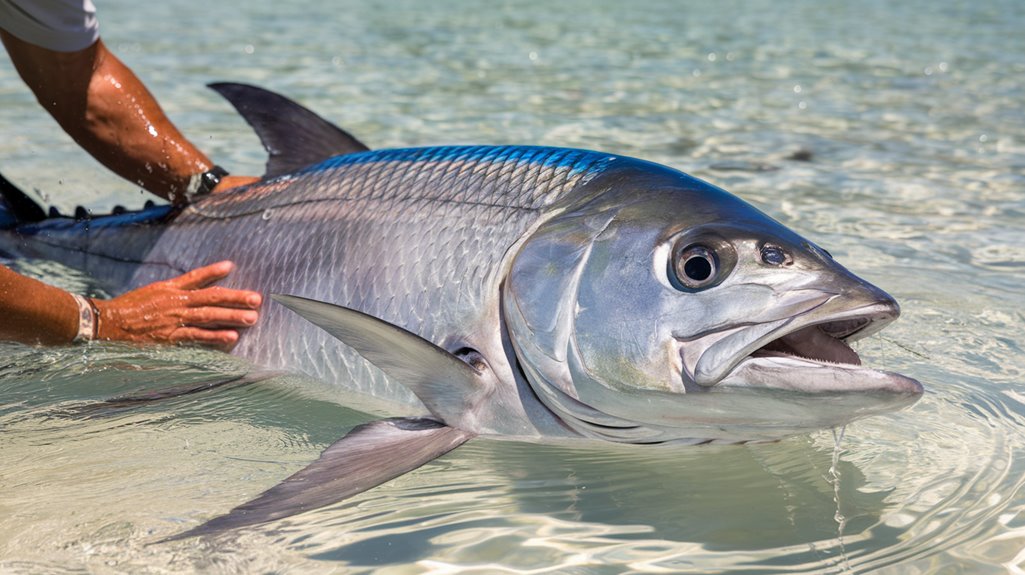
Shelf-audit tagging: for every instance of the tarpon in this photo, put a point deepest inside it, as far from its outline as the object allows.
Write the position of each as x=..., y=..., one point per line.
x=502, y=291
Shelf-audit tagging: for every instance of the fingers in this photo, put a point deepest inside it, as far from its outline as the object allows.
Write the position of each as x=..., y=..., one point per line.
x=183, y=310
x=196, y=280
x=229, y=182
x=224, y=297
x=218, y=317
x=202, y=277
x=220, y=338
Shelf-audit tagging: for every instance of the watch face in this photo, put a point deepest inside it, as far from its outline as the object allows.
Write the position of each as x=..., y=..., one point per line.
x=210, y=179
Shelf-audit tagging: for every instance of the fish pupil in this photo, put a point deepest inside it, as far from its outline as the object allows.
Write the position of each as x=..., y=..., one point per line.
x=698, y=268
x=695, y=267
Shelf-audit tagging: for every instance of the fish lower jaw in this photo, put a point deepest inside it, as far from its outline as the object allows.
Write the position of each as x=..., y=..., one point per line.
x=816, y=358
x=780, y=371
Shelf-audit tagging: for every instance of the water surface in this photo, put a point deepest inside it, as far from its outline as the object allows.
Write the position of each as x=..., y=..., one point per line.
x=910, y=114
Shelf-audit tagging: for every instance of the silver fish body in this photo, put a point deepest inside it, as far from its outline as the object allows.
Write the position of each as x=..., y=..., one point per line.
x=507, y=291
x=416, y=237
x=562, y=255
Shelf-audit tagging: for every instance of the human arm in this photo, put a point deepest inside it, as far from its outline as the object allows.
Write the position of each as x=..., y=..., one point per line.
x=185, y=310
x=107, y=110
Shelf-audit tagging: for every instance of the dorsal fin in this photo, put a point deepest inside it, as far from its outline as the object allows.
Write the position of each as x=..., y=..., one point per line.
x=294, y=136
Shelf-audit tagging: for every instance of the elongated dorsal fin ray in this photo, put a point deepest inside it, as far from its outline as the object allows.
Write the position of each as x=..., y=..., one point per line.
x=447, y=386
x=366, y=457
x=293, y=136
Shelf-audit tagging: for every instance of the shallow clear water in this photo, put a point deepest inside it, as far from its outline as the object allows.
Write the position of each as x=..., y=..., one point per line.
x=912, y=115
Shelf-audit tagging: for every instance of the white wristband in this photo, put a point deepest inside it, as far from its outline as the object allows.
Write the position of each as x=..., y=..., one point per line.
x=86, y=320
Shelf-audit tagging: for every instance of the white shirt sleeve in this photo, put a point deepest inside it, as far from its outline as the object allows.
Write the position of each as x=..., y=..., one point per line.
x=59, y=25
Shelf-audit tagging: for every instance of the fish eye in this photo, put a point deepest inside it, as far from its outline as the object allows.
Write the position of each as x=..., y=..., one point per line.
x=774, y=255
x=696, y=266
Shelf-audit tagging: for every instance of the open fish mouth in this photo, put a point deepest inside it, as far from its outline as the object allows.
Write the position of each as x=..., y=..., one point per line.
x=823, y=343
x=804, y=354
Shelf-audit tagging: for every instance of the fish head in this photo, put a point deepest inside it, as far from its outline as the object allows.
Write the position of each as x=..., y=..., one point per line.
x=656, y=307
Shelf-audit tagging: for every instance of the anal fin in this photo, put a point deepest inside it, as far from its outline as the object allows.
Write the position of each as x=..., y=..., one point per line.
x=366, y=457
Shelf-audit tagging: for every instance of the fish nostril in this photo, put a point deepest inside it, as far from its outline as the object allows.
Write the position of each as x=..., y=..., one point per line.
x=774, y=255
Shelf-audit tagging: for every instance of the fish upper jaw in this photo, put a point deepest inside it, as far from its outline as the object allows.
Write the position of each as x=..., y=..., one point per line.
x=807, y=352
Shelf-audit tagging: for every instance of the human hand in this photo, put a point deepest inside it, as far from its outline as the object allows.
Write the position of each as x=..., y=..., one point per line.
x=182, y=310
x=229, y=182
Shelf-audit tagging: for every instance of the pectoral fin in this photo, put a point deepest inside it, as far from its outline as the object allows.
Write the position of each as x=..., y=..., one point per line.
x=366, y=457
x=450, y=388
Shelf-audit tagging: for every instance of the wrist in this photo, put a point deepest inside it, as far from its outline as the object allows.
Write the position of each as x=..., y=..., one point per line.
x=88, y=319
x=106, y=320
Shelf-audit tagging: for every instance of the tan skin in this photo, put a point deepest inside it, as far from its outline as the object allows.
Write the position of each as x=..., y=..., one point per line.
x=107, y=110
x=185, y=309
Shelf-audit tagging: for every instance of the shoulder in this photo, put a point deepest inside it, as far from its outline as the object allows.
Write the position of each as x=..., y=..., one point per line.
x=59, y=25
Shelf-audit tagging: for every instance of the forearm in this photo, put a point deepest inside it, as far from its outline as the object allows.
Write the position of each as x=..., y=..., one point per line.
x=128, y=132
x=35, y=313
x=107, y=110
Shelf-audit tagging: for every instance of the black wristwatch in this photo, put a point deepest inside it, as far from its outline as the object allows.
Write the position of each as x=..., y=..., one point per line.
x=204, y=183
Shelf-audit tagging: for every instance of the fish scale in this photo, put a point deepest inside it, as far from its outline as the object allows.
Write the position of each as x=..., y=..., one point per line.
x=389, y=232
